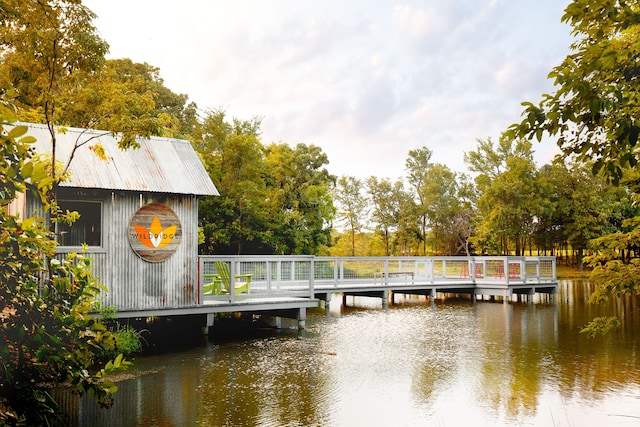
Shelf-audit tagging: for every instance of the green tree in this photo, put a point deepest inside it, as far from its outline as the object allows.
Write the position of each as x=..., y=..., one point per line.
x=594, y=110
x=44, y=43
x=549, y=231
x=591, y=203
x=462, y=223
x=441, y=201
x=582, y=207
x=352, y=208
x=48, y=334
x=417, y=165
x=44, y=46
x=126, y=95
x=509, y=194
x=53, y=59
x=273, y=200
x=386, y=208
x=299, y=196
x=234, y=158
x=408, y=236
x=594, y=113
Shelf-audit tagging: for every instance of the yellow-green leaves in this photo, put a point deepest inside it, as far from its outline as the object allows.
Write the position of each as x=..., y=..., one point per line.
x=594, y=111
x=17, y=132
x=98, y=150
x=48, y=333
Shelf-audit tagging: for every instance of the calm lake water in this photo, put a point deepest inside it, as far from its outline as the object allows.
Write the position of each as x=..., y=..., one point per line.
x=455, y=363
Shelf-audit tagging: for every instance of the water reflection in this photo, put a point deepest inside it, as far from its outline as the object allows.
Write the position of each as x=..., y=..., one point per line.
x=458, y=363
x=249, y=383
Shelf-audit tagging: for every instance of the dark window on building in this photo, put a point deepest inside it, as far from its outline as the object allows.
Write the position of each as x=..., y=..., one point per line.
x=87, y=229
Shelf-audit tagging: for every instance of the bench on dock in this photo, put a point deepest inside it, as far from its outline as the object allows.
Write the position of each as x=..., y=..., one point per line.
x=392, y=274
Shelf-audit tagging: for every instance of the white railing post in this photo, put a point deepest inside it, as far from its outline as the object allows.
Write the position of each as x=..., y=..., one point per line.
x=433, y=271
x=279, y=275
x=472, y=271
x=506, y=270
x=312, y=274
x=232, y=280
x=268, y=273
x=386, y=271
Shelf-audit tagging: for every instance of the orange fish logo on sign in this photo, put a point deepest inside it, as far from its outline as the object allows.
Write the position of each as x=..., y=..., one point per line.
x=155, y=232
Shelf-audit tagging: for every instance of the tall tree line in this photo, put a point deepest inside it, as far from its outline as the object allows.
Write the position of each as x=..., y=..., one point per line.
x=503, y=205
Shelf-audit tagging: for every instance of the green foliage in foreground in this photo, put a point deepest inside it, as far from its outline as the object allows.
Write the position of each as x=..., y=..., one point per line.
x=127, y=341
x=593, y=113
x=48, y=335
x=614, y=274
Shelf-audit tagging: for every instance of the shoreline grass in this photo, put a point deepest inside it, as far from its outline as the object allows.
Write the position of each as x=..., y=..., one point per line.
x=572, y=272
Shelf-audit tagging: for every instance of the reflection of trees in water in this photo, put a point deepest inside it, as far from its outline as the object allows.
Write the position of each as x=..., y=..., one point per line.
x=588, y=366
x=516, y=340
x=528, y=348
x=251, y=382
x=167, y=396
x=498, y=356
x=448, y=346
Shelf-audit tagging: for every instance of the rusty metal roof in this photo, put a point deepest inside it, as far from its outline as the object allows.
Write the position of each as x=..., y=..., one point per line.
x=162, y=165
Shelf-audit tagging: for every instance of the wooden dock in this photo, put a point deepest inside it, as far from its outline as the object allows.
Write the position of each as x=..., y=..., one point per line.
x=285, y=286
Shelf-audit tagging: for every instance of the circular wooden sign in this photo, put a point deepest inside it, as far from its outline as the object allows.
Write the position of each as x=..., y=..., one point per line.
x=155, y=232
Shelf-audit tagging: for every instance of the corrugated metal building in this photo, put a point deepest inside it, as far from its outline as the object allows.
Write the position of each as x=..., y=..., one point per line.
x=139, y=215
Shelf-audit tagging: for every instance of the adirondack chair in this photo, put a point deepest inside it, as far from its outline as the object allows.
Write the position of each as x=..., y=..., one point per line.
x=222, y=282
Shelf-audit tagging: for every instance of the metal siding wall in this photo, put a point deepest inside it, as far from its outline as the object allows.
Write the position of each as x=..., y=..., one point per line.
x=137, y=284
x=133, y=283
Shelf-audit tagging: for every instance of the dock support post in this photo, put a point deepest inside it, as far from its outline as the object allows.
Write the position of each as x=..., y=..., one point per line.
x=385, y=299
x=530, y=294
x=209, y=323
x=302, y=318
x=327, y=304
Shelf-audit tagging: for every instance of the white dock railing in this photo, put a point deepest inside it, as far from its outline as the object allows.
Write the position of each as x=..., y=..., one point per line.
x=271, y=276
x=303, y=276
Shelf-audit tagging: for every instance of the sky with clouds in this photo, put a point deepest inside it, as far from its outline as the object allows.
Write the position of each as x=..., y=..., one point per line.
x=366, y=81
